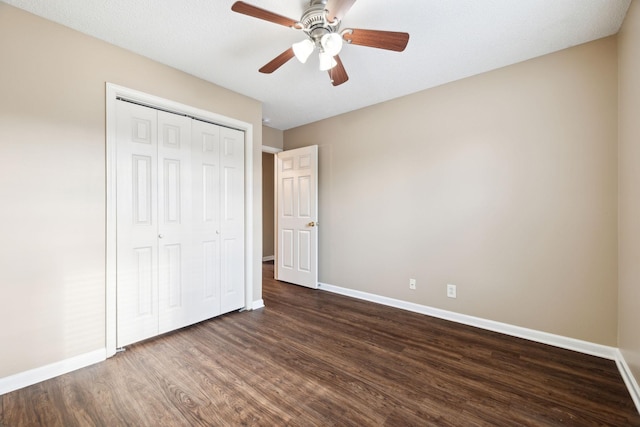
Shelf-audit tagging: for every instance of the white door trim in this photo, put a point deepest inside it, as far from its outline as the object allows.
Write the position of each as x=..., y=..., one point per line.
x=112, y=93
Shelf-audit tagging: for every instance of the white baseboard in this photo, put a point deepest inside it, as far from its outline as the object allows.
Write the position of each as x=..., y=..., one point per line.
x=43, y=373
x=268, y=258
x=606, y=352
x=504, y=328
x=33, y=376
x=629, y=379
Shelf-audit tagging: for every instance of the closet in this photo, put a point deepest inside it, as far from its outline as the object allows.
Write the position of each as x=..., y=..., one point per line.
x=180, y=221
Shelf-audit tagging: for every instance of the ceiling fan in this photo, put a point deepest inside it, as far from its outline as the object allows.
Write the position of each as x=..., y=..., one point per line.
x=321, y=24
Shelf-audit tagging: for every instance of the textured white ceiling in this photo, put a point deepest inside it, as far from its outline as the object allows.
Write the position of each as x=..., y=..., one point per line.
x=450, y=39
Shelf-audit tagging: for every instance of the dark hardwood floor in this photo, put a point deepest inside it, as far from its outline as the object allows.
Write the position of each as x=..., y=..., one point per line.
x=312, y=358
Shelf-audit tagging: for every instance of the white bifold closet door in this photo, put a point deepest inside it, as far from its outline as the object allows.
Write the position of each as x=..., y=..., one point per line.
x=180, y=221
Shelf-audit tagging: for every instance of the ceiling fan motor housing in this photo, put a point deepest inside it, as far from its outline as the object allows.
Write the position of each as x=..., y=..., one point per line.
x=314, y=21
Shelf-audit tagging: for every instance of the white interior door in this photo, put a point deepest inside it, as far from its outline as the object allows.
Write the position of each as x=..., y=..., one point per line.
x=154, y=259
x=218, y=219
x=297, y=216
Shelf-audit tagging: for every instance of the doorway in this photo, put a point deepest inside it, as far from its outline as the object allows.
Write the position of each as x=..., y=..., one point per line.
x=268, y=205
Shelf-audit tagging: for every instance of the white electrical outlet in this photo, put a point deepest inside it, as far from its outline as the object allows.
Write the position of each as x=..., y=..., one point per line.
x=451, y=291
x=412, y=283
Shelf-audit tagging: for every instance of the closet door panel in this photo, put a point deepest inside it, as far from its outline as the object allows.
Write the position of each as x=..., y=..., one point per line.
x=232, y=219
x=232, y=273
x=174, y=228
x=137, y=218
x=205, y=165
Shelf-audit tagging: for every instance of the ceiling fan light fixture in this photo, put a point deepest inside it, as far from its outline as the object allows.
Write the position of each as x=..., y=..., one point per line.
x=320, y=22
x=331, y=43
x=326, y=61
x=302, y=50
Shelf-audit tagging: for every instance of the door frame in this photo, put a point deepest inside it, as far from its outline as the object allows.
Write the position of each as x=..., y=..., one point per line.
x=273, y=150
x=112, y=93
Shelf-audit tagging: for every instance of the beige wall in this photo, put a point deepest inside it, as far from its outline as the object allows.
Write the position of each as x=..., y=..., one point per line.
x=629, y=190
x=272, y=137
x=52, y=185
x=504, y=184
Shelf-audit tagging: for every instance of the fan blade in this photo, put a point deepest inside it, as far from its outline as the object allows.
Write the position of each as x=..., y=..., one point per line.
x=389, y=40
x=277, y=62
x=256, y=12
x=338, y=74
x=338, y=8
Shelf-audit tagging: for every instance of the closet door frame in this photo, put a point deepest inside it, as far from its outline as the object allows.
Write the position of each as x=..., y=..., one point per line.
x=113, y=92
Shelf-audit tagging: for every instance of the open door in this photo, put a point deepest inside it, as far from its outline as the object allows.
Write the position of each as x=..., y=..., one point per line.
x=297, y=216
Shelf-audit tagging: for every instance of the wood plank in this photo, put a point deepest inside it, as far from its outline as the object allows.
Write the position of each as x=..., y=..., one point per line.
x=313, y=358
